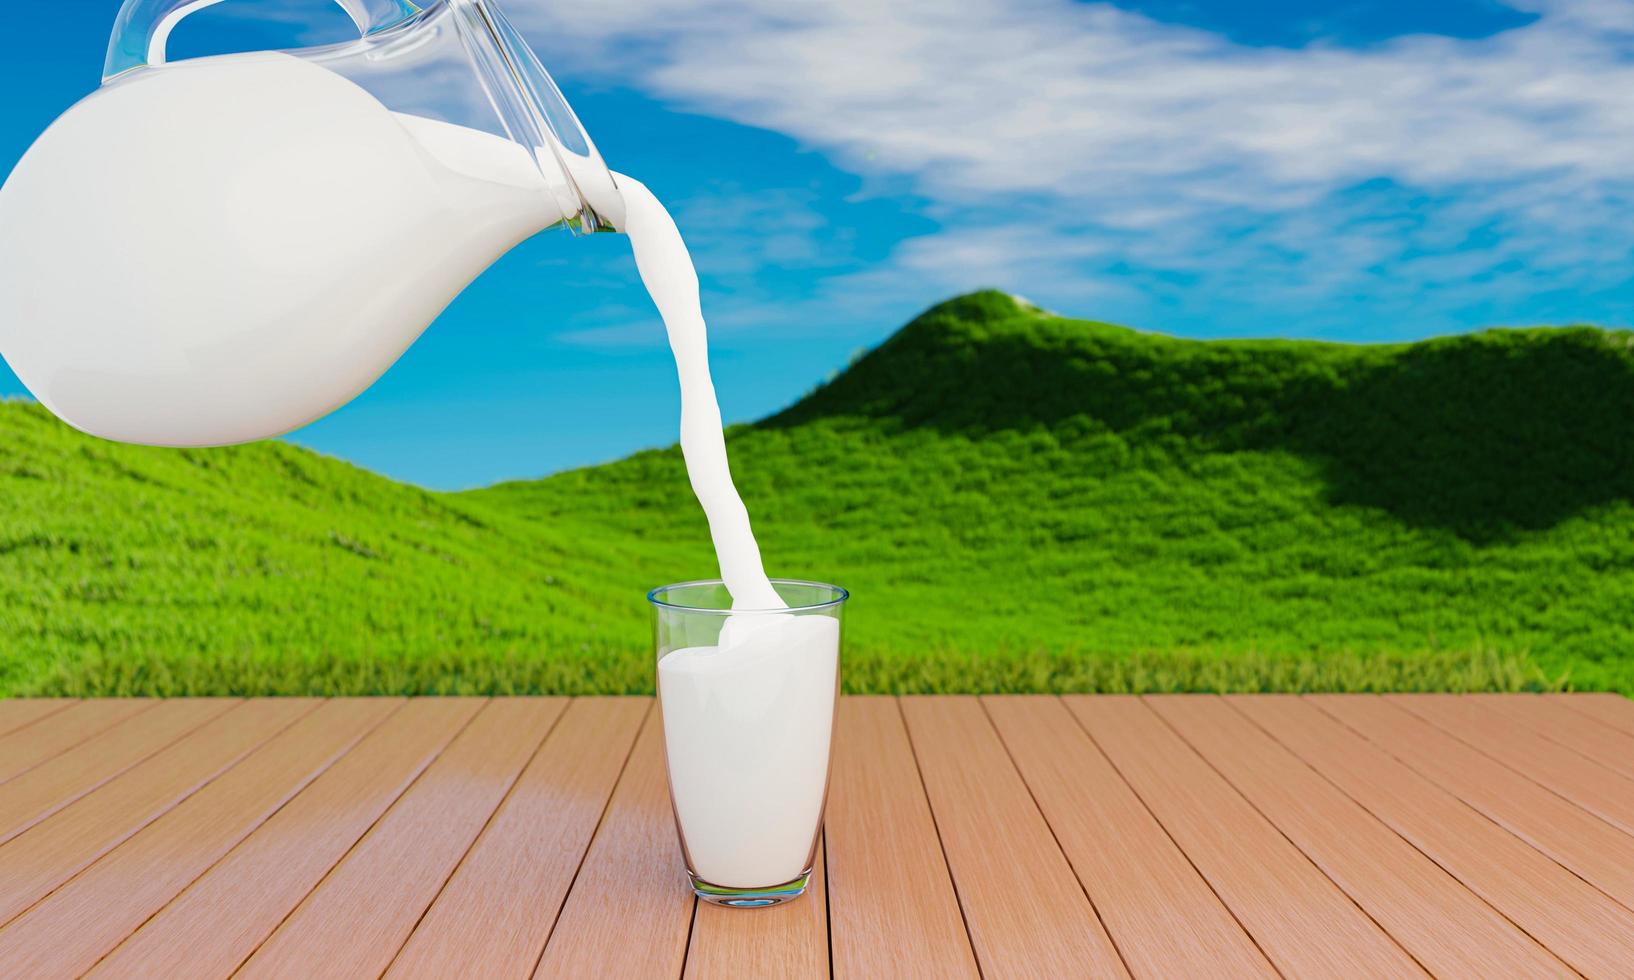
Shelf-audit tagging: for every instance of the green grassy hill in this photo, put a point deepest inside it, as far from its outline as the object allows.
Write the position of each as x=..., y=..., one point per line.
x=1018, y=501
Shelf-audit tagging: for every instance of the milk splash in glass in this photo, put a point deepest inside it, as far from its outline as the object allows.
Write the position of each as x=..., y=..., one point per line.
x=748, y=721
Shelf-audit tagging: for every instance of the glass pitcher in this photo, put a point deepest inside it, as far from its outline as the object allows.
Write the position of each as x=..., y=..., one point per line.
x=223, y=249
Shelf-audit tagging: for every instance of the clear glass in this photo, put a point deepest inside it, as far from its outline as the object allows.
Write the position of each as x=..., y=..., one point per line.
x=457, y=61
x=748, y=699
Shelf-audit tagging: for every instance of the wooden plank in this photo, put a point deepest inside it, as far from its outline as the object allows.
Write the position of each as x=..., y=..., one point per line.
x=213, y=926
x=1025, y=910
x=892, y=909
x=1609, y=709
x=1441, y=923
x=1133, y=871
x=493, y=918
x=1598, y=852
x=18, y=712
x=628, y=910
x=65, y=933
x=363, y=911
x=1607, y=795
x=787, y=941
x=1554, y=720
x=35, y=795
x=60, y=731
x=35, y=862
x=1302, y=921
x=1572, y=919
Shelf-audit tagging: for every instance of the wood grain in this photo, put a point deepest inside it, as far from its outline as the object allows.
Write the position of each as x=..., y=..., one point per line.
x=60, y=731
x=213, y=926
x=788, y=941
x=1182, y=836
x=494, y=916
x=1302, y=921
x=1607, y=795
x=1440, y=922
x=357, y=919
x=892, y=908
x=45, y=789
x=65, y=933
x=35, y=862
x=1610, y=747
x=1026, y=913
x=18, y=712
x=1598, y=852
x=1572, y=919
x=1610, y=709
x=1139, y=880
x=629, y=910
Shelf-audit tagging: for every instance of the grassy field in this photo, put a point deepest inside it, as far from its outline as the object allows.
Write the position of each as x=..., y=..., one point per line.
x=1018, y=501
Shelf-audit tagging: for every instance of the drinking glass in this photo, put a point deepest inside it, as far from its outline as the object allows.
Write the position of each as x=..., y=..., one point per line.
x=747, y=699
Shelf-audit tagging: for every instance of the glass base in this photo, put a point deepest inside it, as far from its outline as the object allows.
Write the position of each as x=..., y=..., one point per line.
x=750, y=898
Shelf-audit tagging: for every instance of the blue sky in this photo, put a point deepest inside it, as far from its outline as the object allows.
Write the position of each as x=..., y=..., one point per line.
x=1317, y=168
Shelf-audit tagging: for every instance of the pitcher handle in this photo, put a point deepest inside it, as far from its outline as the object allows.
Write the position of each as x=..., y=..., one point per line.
x=142, y=29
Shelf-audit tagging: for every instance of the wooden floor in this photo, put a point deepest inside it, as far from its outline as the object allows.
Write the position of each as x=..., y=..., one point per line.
x=1322, y=836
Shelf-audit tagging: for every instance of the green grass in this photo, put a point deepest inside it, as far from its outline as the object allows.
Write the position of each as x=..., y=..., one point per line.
x=1019, y=502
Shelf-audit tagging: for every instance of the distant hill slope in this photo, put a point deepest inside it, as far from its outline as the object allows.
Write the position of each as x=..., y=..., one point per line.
x=1019, y=501
x=272, y=569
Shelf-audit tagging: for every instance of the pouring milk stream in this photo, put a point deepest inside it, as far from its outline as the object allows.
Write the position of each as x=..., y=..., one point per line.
x=224, y=249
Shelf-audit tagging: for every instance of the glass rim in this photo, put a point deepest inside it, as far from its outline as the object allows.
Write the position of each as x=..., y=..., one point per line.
x=842, y=596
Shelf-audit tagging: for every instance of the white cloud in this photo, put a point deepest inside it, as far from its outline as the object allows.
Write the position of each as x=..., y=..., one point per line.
x=1088, y=129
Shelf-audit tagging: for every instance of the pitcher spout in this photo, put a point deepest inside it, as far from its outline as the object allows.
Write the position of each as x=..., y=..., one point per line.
x=457, y=61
